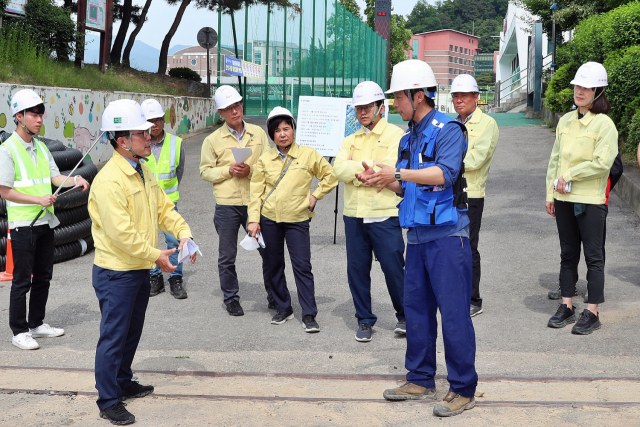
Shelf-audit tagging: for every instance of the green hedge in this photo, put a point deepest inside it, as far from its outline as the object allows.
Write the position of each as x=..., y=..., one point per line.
x=612, y=39
x=185, y=73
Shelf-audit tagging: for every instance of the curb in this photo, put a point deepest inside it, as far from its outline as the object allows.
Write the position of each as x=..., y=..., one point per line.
x=628, y=188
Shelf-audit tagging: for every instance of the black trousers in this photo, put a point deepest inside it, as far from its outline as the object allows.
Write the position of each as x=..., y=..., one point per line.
x=32, y=255
x=587, y=228
x=476, y=207
x=296, y=234
x=227, y=220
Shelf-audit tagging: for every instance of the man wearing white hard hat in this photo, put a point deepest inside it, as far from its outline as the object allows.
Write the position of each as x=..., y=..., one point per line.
x=231, y=180
x=577, y=180
x=429, y=176
x=27, y=171
x=370, y=218
x=167, y=166
x=127, y=206
x=483, y=138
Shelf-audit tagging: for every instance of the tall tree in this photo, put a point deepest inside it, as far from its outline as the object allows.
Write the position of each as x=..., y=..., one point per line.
x=127, y=13
x=352, y=7
x=132, y=38
x=164, y=49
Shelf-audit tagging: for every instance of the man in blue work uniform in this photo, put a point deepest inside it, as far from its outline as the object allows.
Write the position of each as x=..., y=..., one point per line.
x=127, y=206
x=438, y=270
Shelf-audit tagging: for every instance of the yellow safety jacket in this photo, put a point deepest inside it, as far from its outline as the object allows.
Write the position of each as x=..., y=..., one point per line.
x=483, y=138
x=126, y=215
x=583, y=154
x=216, y=158
x=290, y=200
x=30, y=179
x=165, y=170
x=380, y=145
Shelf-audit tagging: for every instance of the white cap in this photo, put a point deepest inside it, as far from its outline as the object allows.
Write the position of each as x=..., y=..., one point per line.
x=464, y=83
x=366, y=93
x=226, y=96
x=23, y=100
x=124, y=114
x=590, y=75
x=278, y=112
x=152, y=109
x=411, y=74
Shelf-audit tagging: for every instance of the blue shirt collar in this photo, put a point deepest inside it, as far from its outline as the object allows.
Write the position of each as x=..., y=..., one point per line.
x=131, y=162
x=238, y=136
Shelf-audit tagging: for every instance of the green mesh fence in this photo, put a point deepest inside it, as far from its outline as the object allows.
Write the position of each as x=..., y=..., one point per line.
x=317, y=49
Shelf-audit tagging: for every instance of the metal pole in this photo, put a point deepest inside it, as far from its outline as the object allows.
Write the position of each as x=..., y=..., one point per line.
x=344, y=40
x=266, y=74
x=335, y=44
x=553, y=52
x=284, y=60
x=208, y=73
x=300, y=59
x=235, y=45
x=325, y=48
x=313, y=51
x=218, y=76
x=244, y=51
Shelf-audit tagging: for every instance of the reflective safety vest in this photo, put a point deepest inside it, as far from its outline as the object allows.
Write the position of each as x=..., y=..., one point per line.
x=29, y=179
x=430, y=205
x=165, y=170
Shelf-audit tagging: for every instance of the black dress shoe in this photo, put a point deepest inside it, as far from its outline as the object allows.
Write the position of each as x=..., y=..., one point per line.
x=563, y=317
x=176, y=288
x=587, y=323
x=118, y=415
x=235, y=309
x=157, y=285
x=136, y=390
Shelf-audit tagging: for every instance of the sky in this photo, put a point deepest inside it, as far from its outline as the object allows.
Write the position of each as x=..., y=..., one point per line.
x=160, y=18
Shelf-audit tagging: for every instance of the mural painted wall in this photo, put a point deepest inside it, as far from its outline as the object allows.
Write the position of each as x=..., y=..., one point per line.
x=73, y=115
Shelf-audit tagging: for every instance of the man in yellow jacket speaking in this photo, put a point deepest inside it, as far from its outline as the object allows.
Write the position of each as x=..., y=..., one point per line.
x=483, y=138
x=126, y=206
x=371, y=217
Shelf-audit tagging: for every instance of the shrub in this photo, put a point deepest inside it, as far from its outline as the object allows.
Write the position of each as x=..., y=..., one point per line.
x=624, y=86
x=559, y=95
x=634, y=133
x=185, y=73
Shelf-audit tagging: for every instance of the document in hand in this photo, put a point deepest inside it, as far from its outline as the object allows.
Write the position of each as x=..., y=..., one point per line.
x=188, y=249
x=241, y=154
x=252, y=243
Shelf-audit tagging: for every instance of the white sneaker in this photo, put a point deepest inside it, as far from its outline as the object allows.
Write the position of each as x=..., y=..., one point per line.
x=46, y=331
x=25, y=341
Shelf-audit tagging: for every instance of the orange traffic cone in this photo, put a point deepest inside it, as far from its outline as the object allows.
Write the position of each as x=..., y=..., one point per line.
x=7, y=276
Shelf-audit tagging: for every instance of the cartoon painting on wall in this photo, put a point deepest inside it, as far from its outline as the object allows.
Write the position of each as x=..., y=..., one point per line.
x=73, y=115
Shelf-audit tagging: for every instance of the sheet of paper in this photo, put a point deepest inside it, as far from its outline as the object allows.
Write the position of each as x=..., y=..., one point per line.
x=252, y=243
x=241, y=154
x=188, y=249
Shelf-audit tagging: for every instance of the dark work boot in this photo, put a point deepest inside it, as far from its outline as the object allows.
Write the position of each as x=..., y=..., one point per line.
x=118, y=415
x=176, y=288
x=563, y=317
x=157, y=285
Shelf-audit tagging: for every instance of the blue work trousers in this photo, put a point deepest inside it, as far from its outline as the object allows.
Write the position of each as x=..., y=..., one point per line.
x=296, y=234
x=438, y=276
x=172, y=242
x=384, y=239
x=123, y=298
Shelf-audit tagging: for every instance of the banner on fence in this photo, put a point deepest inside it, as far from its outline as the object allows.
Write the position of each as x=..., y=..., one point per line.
x=232, y=66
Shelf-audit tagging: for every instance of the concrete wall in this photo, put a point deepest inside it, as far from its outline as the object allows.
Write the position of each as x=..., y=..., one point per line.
x=73, y=115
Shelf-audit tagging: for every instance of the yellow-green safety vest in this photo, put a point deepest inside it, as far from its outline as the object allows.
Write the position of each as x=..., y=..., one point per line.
x=165, y=170
x=29, y=179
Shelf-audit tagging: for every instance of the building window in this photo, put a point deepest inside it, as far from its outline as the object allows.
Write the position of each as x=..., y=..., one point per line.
x=451, y=59
x=451, y=47
x=456, y=48
x=258, y=58
x=194, y=62
x=450, y=70
x=465, y=50
x=450, y=81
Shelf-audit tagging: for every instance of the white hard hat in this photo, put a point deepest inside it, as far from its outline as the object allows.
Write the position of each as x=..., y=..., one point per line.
x=366, y=93
x=124, y=114
x=590, y=75
x=152, y=109
x=411, y=74
x=279, y=112
x=23, y=100
x=464, y=83
x=226, y=96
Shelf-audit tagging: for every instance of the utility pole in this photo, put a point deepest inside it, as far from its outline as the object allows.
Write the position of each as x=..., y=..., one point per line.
x=553, y=8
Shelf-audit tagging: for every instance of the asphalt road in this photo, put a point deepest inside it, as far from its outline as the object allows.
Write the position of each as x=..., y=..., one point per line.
x=520, y=260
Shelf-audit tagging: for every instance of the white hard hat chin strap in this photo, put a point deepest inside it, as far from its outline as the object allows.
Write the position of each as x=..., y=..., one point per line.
x=375, y=115
x=23, y=124
x=130, y=149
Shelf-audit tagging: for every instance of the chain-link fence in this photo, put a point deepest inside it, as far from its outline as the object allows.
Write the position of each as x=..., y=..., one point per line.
x=317, y=48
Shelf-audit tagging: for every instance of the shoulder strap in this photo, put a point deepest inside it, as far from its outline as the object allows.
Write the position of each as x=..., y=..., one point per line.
x=277, y=182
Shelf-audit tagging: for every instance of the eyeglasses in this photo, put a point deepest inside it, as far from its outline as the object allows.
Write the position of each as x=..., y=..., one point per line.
x=236, y=106
x=156, y=120
x=143, y=134
x=364, y=108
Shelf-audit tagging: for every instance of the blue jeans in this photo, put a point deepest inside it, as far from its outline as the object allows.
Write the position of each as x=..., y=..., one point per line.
x=384, y=239
x=172, y=242
x=438, y=276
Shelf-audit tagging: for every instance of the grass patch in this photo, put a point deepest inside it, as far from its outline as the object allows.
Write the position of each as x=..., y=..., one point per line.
x=22, y=62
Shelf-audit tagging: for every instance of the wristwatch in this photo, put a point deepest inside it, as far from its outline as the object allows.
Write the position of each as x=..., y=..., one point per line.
x=398, y=175
x=75, y=179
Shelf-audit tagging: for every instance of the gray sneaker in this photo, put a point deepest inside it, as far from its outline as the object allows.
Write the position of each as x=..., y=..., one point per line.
x=401, y=327
x=475, y=310
x=364, y=332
